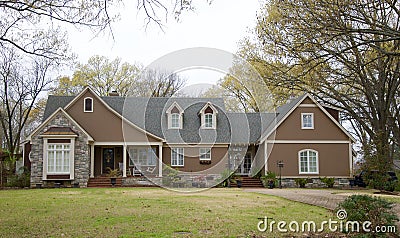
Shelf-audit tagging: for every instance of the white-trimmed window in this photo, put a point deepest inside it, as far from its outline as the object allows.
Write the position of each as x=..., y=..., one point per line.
x=307, y=121
x=175, y=120
x=175, y=116
x=208, y=120
x=208, y=116
x=58, y=158
x=177, y=157
x=142, y=156
x=88, y=104
x=205, y=153
x=308, y=162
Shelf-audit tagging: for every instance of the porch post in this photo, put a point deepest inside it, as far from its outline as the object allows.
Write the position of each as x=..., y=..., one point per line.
x=124, y=161
x=160, y=161
x=91, y=160
x=265, y=157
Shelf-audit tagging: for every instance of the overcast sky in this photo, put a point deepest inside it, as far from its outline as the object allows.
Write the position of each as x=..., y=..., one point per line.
x=220, y=25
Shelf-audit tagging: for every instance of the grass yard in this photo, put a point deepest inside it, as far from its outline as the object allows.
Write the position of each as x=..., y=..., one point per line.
x=144, y=212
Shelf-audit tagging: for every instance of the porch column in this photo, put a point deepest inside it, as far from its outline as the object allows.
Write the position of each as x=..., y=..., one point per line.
x=160, y=161
x=265, y=157
x=92, y=160
x=124, y=161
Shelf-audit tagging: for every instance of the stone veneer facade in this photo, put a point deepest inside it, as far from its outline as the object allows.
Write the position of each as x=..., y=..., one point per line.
x=81, y=153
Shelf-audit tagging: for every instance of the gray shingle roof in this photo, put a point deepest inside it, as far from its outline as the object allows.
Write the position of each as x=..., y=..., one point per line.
x=150, y=115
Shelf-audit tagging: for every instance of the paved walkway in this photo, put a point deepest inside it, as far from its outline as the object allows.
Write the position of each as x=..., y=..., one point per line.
x=319, y=197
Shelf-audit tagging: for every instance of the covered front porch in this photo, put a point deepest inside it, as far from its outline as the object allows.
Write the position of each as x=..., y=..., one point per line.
x=130, y=159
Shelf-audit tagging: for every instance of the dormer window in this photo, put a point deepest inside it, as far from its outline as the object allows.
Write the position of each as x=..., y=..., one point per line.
x=88, y=104
x=208, y=117
x=208, y=120
x=175, y=116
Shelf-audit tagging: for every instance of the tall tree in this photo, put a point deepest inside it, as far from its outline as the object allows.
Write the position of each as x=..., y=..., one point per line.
x=101, y=74
x=104, y=76
x=21, y=83
x=35, y=27
x=157, y=83
x=345, y=53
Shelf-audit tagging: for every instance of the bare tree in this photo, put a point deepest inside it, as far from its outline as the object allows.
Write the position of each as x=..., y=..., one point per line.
x=157, y=83
x=21, y=84
x=158, y=11
x=34, y=26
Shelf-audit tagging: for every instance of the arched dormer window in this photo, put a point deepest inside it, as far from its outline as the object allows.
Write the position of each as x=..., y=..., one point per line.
x=88, y=104
x=208, y=116
x=175, y=116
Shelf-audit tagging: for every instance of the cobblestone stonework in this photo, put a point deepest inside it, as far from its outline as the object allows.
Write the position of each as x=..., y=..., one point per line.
x=139, y=182
x=81, y=153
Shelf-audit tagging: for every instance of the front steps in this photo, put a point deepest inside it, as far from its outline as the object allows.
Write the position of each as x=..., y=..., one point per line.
x=249, y=182
x=103, y=182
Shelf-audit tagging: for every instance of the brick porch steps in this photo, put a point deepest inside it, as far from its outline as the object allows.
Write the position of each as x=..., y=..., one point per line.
x=248, y=182
x=103, y=182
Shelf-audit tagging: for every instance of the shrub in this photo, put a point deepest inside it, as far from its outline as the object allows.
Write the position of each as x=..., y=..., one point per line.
x=379, y=181
x=328, y=181
x=301, y=182
x=20, y=180
x=270, y=176
x=363, y=208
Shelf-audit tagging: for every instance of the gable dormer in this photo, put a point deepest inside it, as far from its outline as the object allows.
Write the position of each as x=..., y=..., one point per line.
x=175, y=116
x=208, y=116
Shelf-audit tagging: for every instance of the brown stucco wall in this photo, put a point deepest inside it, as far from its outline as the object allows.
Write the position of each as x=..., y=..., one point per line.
x=324, y=127
x=102, y=124
x=333, y=159
x=192, y=161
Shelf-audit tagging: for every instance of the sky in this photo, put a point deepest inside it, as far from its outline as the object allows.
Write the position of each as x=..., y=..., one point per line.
x=220, y=25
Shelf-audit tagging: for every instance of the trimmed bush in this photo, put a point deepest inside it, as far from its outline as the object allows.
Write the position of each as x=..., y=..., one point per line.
x=301, y=182
x=328, y=181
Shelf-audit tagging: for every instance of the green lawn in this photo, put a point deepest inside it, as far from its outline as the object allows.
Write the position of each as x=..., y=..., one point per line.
x=144, y=212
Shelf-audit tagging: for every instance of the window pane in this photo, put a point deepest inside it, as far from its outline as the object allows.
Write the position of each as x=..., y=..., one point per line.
x=59, y=161
x=66, y=161
x=208, y=120
x=174, y=157
x=50, y=161
x=175, y=120
x=307, y=120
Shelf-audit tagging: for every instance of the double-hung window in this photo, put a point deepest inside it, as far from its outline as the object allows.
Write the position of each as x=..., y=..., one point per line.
x=177, y=157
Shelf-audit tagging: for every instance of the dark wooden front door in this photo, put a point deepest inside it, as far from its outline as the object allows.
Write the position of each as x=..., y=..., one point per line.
x=108, y=159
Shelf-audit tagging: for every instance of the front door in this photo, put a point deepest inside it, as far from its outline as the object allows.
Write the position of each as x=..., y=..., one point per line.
x=245, y=167
x=108, y=159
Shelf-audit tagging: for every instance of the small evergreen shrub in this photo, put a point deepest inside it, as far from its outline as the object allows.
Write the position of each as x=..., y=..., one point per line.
x=363, y=208
x=328, y=181
x=270, y=177
x=20, y=180
x=301, y=182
